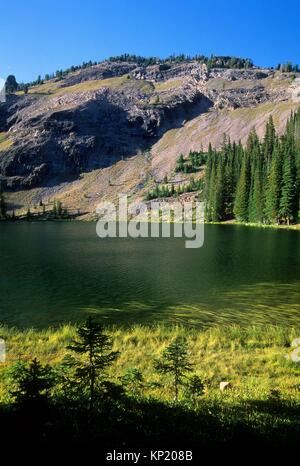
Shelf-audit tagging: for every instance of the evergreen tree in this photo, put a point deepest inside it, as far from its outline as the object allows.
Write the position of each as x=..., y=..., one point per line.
x=273, y=188
x=180, y=164
x=269, y=143
x=57, y=209
x=175, y=361
x=288, y=201
x=252, y=184
x=33, y=383
x=256, y=197
x=207, y=181
x=194, y=387
x=241, y=205
x=211, y=194
x=218, y=195
x=94, y=348
x=2, y=206
x=133, y=380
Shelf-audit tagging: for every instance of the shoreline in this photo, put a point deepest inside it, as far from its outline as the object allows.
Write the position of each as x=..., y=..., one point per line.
x=294, y=226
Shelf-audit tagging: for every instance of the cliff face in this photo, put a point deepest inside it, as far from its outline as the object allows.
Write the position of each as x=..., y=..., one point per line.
x=115, y=111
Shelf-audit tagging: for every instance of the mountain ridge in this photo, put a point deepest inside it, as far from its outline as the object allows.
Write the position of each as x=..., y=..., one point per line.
x=118, y=120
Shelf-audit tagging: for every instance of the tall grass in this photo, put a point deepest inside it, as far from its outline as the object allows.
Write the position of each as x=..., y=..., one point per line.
x=256, y=359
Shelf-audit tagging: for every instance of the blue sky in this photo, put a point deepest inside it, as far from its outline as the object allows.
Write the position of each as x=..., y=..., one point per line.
x=38, y=37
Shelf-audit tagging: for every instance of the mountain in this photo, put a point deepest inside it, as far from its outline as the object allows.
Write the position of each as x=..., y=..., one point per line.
x=120, y=126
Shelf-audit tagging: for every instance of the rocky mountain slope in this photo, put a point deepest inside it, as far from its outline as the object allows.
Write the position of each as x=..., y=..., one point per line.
x=120, y=127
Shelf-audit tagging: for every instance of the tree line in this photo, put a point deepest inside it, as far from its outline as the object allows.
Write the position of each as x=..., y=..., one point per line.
x=257, y=183
x=170, y=190
x=192, y=164
x=58, y=211
x=288, y=67
x=212, y=61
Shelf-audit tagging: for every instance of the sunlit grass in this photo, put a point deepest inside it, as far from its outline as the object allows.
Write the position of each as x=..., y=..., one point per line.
x=53, y=88
x=255, y=359
x=168, y=85
x=5, y=141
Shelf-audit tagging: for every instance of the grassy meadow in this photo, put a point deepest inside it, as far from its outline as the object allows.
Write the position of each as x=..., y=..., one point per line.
x=256, y=360
x=261, y=407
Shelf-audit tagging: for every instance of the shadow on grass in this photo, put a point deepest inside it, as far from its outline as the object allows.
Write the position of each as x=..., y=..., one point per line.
x=126, y=422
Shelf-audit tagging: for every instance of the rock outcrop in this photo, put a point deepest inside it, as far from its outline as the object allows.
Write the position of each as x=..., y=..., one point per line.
x=96, y=116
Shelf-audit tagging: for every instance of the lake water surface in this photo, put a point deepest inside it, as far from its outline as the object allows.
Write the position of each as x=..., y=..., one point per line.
x=62, y=272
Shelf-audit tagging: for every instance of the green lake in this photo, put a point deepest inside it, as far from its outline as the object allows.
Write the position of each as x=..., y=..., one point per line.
x=62, y=272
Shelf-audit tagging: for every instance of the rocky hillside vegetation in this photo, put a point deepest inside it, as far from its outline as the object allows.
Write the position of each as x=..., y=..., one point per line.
x=120, y=125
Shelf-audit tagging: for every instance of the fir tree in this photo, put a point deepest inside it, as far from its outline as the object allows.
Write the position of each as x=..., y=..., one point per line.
x=256, y=196
x=194, y=387
x=211, y=192
x=2, y=206
x=269, y=143
x=273, y=188
x=133, y=380
x=33, y=383
x=94, y=347
x=175, y=362
x=218, y=196
x=241, y=205
x=288, y=201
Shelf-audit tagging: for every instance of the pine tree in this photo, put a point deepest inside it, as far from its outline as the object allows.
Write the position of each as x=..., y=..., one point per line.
x=218, y=198
x=2, y=206
x=207, y=181
x=94, y=347
x=256, y=196
x=133, y=380
x=241, y=205
x=57, y=209
x=273, y=188
x=288, y=201
x=210, y=189
x=229, y=180
x=33, y=383
x=175, y=362
x=269, y=143
x=249, y=183
x=194, y=387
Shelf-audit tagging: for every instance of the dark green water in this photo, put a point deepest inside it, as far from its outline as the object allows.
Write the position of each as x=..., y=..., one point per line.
x=55, y=272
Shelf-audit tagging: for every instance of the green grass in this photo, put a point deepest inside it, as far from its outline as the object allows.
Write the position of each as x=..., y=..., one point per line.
x=254, y=359
x=5, y=141
x=263, y=402
x=168, y=85
x=292, y=226
x=249, y=114
x=52, y=88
